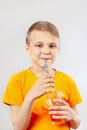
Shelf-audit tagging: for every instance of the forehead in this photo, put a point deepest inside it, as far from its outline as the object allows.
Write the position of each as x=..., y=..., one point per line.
x=43, y=36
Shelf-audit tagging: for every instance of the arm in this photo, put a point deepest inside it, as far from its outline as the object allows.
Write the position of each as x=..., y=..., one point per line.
x=21, y=115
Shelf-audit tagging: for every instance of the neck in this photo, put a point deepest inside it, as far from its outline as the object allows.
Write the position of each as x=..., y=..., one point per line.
x=39, y=71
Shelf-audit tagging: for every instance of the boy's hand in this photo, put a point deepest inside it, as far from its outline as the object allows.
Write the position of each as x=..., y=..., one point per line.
x=41, y=85
x=62, y=109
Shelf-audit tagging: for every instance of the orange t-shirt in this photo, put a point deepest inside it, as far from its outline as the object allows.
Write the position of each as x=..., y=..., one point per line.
x=21, y=83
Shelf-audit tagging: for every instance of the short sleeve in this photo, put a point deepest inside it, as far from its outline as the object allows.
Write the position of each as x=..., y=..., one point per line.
x=13, y=94
x=74, y=96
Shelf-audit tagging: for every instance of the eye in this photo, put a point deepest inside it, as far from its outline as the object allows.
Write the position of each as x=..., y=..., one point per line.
x=52, y=45
x=39, y=45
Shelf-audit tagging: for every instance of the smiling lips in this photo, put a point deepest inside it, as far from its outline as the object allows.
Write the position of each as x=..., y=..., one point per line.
x=46, y=58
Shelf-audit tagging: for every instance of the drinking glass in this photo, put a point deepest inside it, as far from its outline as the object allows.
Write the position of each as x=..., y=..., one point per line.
x=50, y=102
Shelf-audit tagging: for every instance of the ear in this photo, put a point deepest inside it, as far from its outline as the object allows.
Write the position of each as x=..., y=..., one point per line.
x=27, y=49
x=58, y=48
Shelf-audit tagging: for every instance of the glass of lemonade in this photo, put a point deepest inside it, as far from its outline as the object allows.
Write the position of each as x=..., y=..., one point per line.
x=50, y=102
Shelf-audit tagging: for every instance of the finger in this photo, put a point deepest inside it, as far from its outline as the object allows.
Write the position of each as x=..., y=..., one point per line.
x=49, y=90
x=59, y=101
x=59, y=117
x=48, y=86
x=48, y=80
x=46, y=76
x=58, y=108
x=58, y=112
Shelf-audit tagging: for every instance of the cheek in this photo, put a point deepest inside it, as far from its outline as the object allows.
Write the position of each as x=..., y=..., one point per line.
x=55, y=54
x=35, y=54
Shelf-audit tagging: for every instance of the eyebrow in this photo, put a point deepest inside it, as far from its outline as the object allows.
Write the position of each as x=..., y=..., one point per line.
x=39, y=42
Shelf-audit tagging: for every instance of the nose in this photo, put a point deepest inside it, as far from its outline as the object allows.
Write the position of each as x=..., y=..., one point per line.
x=46, y=51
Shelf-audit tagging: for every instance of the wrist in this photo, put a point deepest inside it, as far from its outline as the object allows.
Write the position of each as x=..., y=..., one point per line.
x=75, y=120
x=29, y=98
x=73, y=115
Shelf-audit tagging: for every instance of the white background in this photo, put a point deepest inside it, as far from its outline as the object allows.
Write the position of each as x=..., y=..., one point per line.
x=70, y=16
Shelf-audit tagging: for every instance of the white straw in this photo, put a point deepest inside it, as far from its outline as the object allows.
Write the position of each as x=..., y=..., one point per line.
x=46, y=67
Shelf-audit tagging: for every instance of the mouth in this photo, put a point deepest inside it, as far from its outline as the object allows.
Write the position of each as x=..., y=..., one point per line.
x=46, y=58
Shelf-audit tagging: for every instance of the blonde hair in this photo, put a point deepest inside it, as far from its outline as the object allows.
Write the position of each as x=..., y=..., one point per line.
x=42, y=26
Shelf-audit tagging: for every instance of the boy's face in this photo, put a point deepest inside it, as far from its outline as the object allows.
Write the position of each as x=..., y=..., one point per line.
x=43, y=46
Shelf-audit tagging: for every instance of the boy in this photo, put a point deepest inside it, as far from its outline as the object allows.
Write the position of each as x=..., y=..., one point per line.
x=27, y=91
